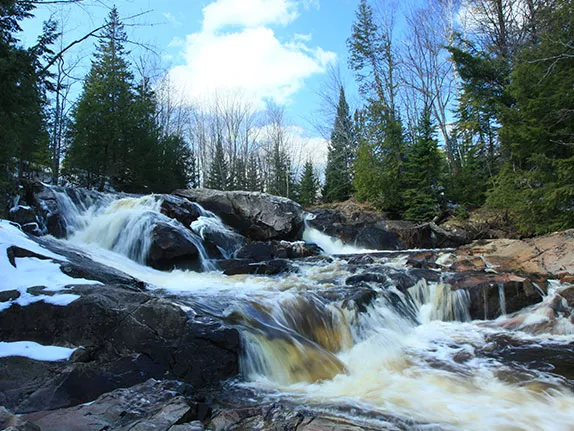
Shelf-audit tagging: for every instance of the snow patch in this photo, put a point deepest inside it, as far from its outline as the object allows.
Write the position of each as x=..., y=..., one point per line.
x=33, y=272
x=32, y=350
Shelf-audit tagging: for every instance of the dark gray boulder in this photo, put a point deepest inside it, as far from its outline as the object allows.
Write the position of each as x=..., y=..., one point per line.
x=260, y=251
x=127, y=337
x=373, y=231
x=172, y=247
x=258, y=216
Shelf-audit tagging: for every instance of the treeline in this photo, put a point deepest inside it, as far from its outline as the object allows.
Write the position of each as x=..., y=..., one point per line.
x=129, y=134
x=470, y=106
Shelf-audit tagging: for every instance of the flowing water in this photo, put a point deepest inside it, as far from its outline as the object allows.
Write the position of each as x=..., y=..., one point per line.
x=370, y=351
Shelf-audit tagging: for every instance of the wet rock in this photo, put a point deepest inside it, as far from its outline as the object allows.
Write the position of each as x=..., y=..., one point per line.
x=248, y=266
x=11, y=422
x=171, y=248
x=278, y=417
x=359, y=299
x=364, y=259
x=367, y=278
x=258, y=216
x=179, y=209
x=23, y=215
x=152, y=405
x=261, y=251
x=9, y=295
x=492, y=295
x=372, y=230
x=128, y=337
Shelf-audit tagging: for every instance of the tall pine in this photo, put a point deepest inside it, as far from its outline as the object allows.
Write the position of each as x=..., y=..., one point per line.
x=103, y=123
x=338, y=182
x=422, y=173
x=308, y=186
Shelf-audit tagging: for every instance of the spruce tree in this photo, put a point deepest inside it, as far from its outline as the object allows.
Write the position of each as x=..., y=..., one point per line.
x=338, y=185
x=103, y=123
x=23, y=102
x=422, y=173
x=218, y=172
x=308, y=186
x=253, y=177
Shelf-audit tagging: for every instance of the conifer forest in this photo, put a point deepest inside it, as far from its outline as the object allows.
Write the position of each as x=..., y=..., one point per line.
x=455, y=112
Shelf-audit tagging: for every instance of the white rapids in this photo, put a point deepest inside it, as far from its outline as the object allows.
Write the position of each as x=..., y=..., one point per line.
x=413, y=355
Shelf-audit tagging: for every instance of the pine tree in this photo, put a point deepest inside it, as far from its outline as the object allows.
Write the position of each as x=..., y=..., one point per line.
x=536, y=184
x=24, y=138
x=103, y=123
x=422, y=173
x=308, y=186
x=253, y=177
x=338, y=185
x=218, y=173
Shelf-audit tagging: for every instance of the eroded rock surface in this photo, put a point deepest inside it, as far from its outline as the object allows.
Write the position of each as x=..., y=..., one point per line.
x=258, y=216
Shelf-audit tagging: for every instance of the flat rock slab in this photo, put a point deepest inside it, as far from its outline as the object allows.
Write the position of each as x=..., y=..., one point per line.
x=152, y=405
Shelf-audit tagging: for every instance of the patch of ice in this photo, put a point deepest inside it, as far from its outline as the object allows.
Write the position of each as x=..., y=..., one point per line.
x=30, y=271
x=32, y=350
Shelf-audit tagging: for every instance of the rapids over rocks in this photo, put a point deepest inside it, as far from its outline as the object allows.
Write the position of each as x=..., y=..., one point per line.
x=353, y=335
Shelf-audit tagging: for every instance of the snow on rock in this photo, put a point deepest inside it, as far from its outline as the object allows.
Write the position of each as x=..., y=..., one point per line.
x=32, y=272
x=32, y=350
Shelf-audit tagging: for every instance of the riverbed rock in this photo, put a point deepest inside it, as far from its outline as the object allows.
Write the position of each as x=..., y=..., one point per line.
x=260, y=251
x=258, y=216
x=123, y=335
x=492, y=295
x=372, y=230
x=254, y=267
x=180, y=209
x=171, y=248
x=152, y=405
x=544, y=256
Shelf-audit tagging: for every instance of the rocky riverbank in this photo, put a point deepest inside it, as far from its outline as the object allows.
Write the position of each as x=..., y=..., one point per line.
x=138, y=348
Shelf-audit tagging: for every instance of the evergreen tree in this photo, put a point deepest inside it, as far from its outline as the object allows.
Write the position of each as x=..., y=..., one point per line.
x=308, y=186
x=253, y=177
x=218, y=173
x=24, y=139
x=422, y=173
x=280, y=178
x=537, y=182
x=338, y=185
x=103, y=122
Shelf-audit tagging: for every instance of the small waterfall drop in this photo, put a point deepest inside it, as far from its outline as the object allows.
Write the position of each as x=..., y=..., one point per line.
x=329, y=244
x=119, y=223
x=211, y=228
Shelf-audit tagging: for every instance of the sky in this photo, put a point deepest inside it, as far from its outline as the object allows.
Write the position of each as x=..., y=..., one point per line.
x=271, y=50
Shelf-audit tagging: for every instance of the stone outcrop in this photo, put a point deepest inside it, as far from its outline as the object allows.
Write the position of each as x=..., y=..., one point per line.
x=123, y=335
x=172, y=248
x=260, y=251
x=257, y=216
x=372, y=230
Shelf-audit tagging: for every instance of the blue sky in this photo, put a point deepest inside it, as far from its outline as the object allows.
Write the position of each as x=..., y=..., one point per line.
x=275, y=50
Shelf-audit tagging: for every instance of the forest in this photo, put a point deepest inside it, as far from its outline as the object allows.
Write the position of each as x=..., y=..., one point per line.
x=471, y=106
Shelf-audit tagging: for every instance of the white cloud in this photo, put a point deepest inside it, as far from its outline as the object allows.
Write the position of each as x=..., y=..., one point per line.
x=248, y=13
x=171, y=19
x=249, y=57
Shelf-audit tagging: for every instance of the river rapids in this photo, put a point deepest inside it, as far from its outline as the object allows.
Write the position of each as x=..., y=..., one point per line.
x=412, y=354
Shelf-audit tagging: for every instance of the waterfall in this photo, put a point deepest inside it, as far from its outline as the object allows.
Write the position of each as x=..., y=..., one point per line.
x=119, y=223
x=329, y=244
x=379, y=348
x=211, y=228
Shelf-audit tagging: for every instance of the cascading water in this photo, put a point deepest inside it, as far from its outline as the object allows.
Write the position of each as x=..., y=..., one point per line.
x=210, y=227
x=120, y=224
x=412, y=353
